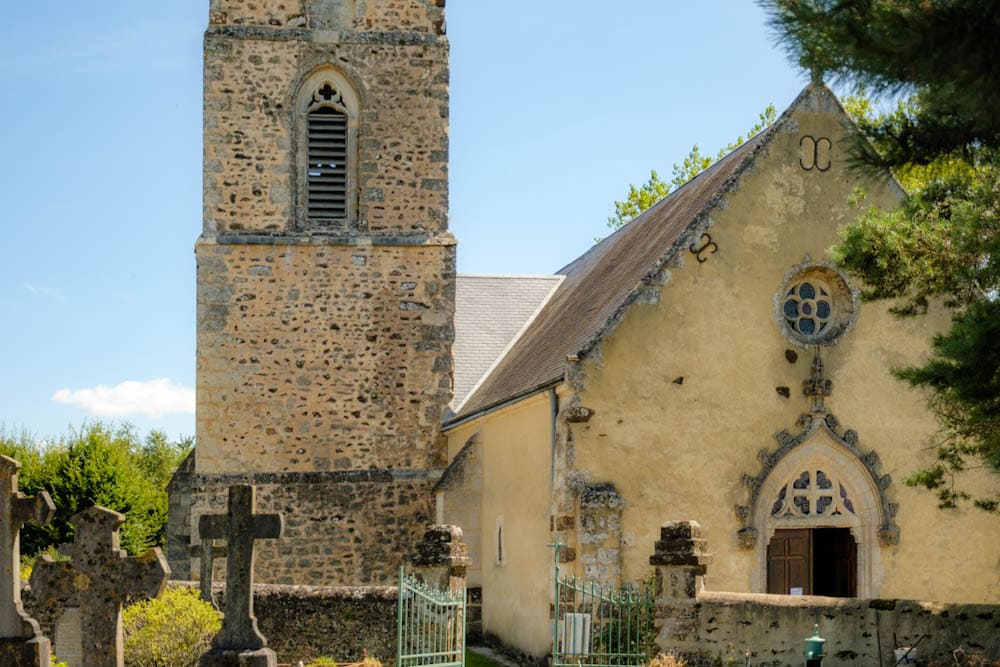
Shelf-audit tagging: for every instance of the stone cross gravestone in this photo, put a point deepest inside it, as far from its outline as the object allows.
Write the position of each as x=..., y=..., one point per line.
x=239, y=642
x=99, y=579
x=21, y=641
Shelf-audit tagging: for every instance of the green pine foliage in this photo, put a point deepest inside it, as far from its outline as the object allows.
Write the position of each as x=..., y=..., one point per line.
x=173, y=630
x=942, y=142
x=943, y=53
x=965, y=395
x=942, y=242
x=97, y=465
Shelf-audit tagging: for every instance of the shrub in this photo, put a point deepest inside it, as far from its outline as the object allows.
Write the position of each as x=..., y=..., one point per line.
x=323, y=661
x=171, y=631
x=667, y=660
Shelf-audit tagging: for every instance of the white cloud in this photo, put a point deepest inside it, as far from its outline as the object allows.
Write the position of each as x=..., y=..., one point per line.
x=152, y=398
x=38, y=290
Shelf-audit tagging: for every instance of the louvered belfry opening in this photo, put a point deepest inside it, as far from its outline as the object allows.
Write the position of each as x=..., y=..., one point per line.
x=326, y=172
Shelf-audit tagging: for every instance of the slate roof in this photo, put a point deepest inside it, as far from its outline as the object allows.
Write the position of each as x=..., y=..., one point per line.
x=604, y=281
x=490, y=310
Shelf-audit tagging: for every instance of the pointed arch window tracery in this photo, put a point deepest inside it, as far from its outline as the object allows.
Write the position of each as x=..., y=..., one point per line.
x=328, y=111
x=812, y=493
x=815, y=480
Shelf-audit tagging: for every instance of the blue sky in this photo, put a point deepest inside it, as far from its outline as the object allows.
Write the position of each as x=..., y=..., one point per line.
x=556, y=106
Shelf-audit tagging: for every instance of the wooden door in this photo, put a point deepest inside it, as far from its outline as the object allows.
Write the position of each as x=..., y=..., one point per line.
x=789, y=562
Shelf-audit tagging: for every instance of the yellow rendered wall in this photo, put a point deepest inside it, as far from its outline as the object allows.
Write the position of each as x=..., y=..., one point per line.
x=516, y=464
x=678, y=450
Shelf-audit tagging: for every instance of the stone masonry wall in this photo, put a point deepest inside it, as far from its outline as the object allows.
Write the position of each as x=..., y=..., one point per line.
x=600, y=533
x=710, y=628
x=324, y=347
x=252, y=77
x=857, y=631
x=351, y=527
x=321, y=357
x=416, y=15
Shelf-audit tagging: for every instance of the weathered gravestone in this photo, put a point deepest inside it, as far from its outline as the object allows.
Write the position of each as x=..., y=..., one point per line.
x=239, y=642
x=99, y=580
x=21, y=642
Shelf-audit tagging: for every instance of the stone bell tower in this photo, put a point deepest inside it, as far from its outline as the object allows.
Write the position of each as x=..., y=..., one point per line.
x=326, y=278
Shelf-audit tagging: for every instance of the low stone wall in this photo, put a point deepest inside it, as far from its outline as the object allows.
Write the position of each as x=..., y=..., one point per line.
x=711, y=628
x=301, y=622
x=720, y=626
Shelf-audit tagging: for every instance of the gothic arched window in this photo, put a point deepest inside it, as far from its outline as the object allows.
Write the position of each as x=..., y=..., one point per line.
x=327, y=165
x=819, y=514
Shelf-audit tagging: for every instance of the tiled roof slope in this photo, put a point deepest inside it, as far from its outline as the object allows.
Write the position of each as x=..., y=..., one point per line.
x=601, y=283
x=489, y=312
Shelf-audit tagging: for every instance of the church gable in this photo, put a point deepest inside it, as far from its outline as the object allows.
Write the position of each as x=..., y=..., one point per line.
x=685, y=394
x=633, y=263
x=600, y=284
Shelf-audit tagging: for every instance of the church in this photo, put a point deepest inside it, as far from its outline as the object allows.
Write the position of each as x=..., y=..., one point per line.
x=705, y=362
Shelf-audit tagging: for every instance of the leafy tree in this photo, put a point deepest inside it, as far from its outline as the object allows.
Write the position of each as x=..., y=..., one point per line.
x=638, y=199
x=943, y=142
x=98, y=465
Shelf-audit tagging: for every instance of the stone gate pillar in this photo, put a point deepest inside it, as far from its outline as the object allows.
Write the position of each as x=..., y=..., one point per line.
x=442, y=558
x=681, y=561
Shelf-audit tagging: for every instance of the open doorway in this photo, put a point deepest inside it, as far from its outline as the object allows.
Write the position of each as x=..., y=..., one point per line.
x=812, y=561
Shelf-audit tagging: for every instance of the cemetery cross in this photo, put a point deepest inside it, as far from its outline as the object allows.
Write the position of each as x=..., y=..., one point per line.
x=99, y=579
x=240, y=527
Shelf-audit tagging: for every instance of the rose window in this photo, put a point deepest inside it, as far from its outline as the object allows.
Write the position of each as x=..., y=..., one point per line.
x=808, y=308
x=815, y=305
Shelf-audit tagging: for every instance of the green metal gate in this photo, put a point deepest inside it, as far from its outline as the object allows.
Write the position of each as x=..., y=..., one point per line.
x=430, y=625
x=600, y=626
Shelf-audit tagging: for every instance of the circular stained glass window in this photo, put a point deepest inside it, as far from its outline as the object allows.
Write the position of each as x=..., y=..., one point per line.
x=815, y=305
x=808, y=307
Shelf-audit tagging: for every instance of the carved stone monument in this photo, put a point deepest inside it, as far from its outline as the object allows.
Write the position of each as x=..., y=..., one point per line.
x=239, y=642
x=21, y=642
x=99, y=579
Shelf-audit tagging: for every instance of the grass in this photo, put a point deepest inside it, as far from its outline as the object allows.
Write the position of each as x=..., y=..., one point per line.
x=476, y=660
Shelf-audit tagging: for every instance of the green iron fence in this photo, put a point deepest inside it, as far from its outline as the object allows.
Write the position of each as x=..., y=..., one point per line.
x=600, y=626
x=430, y=625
